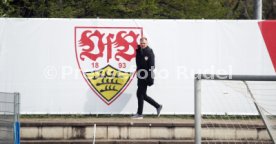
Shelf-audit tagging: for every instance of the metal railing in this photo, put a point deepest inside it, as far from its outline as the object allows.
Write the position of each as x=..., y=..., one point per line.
x=9, y=118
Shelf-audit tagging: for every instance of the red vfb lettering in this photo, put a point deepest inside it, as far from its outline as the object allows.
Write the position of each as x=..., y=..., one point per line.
x=119, y=42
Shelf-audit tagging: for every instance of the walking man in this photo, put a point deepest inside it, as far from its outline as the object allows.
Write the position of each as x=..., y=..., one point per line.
x=145, y=65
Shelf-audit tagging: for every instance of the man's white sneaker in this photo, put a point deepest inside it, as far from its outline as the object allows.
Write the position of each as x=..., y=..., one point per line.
x=137, y=116
x=159, y=110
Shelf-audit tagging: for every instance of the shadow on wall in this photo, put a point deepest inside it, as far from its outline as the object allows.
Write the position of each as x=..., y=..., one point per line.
x=94, y=105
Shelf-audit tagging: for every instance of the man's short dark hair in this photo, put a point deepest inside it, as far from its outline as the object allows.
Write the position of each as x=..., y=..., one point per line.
x=143, y=38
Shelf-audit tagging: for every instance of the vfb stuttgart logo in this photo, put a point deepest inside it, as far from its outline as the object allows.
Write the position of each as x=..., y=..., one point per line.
x=106, y=56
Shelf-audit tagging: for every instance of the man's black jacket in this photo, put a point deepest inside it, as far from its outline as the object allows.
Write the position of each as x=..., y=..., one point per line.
x=145, y=62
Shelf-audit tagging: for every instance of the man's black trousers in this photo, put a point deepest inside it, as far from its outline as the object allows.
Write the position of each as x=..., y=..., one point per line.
x=142, y=95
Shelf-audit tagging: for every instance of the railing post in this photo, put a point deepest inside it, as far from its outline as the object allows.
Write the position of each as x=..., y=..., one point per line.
x=16, y=118
x=197, y=93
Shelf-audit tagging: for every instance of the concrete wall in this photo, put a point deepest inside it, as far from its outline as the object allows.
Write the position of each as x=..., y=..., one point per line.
x=136, y=131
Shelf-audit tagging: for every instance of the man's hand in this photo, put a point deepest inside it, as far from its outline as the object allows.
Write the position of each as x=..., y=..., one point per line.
x=150, y=81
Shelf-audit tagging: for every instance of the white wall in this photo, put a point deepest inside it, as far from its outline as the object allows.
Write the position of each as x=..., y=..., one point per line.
x=37, y=59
